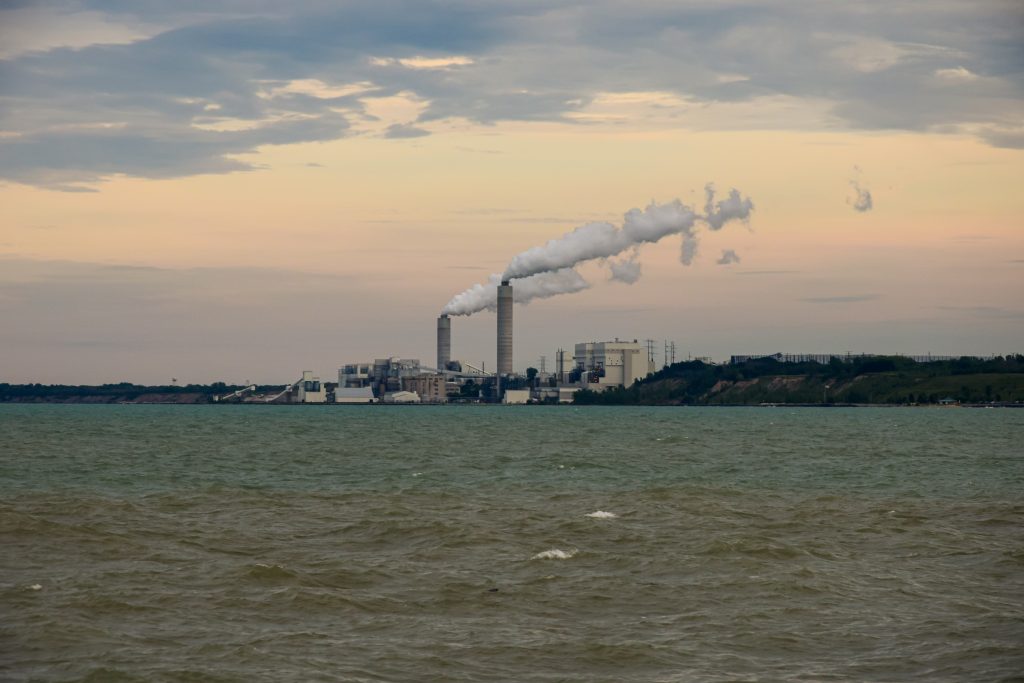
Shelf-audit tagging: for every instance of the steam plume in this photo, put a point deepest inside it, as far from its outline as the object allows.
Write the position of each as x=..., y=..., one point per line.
x=603, y=240
x=552, y=263
x=627, y=270
x=481, y=297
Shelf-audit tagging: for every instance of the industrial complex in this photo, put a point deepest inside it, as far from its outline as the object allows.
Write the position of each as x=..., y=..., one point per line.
x=596, y=366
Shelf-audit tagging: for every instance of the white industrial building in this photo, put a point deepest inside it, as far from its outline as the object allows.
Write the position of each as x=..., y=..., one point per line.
x=402, y=397
x=611, y=364
x=353, y=395
x=310, y=389
x=516, y=396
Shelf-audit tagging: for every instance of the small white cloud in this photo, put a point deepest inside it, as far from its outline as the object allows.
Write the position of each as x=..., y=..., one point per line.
x=312, y=87
x=957, y=75
x=421, y=63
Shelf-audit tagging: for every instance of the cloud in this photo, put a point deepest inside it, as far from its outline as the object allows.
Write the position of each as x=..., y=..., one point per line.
x=160, y=90
x=728, y=256
x=627, y=270
x=861, y=201
x=956, y=75
x=1010, y=138
x=847, y=299
x=400, y=131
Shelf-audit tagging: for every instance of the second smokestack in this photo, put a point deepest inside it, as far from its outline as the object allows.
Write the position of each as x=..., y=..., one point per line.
x=505, y=328
x=444, y=342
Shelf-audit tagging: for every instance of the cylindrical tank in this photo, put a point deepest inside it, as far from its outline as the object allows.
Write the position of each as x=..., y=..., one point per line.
x=505, y=328
x=444, y=341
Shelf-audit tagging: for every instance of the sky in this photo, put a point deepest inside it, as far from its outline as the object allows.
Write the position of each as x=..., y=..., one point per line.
x=239, y=191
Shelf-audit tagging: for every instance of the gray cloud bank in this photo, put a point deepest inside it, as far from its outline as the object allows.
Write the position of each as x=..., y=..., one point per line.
x=170, y=102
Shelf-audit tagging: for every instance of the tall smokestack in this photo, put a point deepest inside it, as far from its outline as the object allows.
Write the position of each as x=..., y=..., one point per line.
x=504, y=328
x=444, y=341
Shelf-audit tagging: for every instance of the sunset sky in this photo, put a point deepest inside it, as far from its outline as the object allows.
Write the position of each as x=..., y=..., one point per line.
x=240, y=190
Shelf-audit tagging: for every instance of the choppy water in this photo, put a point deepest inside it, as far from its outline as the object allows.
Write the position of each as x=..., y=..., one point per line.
x=238, y=543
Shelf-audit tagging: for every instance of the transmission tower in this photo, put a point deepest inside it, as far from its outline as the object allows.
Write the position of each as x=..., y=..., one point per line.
x=650, y=350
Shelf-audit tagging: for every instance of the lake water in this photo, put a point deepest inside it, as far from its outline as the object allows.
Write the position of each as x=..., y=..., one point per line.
x=500, y=543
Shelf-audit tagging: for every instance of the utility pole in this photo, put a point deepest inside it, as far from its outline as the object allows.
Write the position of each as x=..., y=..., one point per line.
x=672, y=348
x=650, y=350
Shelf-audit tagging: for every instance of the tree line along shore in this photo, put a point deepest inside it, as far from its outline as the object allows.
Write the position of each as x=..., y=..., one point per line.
x=884, y=380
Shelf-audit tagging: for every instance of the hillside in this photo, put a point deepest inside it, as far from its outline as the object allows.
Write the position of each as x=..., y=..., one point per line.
x=877, y=379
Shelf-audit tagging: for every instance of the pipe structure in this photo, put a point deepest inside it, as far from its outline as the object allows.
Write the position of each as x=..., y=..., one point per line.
x=444, y=342
x=504, y=328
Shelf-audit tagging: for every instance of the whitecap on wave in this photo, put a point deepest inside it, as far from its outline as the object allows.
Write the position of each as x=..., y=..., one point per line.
x=601, y=514
x=555, y=554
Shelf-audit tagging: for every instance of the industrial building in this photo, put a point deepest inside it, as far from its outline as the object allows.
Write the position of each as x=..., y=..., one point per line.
x=595, y=365
x=602, y=365
x=430, y=387
x=310, y=389
x=354, y=395
x=383, y=375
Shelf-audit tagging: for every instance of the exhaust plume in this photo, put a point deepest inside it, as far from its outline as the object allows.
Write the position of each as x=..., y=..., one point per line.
x=603, y=240
x=627, y=270
x=482, y=297
x=548, y=270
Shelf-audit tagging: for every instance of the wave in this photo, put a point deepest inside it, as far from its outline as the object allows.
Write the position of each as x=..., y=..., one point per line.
x=601, y=514
x=555, y=554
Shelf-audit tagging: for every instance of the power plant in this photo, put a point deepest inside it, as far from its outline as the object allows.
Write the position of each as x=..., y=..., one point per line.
x=504, y=328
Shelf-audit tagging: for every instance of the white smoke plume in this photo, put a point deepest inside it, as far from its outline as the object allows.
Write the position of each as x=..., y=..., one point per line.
x=627, y=270
x=604, y=240
x=728, y=256
x=556, y=259
x=484, y=297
